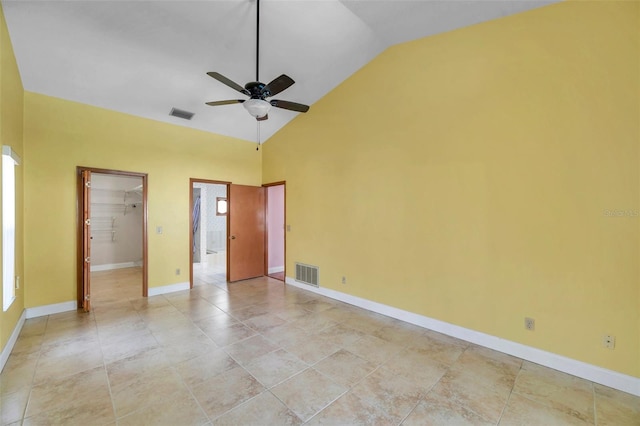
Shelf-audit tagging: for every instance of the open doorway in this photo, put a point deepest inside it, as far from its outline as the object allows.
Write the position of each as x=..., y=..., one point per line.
x=208, y=232
x=275, y=236
x=112, y=247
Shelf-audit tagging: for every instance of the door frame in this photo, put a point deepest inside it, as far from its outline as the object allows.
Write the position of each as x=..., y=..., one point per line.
x=80, y=224
x=210, y=182
x=266, y=228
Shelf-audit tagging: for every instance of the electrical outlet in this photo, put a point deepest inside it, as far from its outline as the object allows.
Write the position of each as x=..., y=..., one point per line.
x=177, y=271
x=530, y=324
x=609, y=341
x=344, y=280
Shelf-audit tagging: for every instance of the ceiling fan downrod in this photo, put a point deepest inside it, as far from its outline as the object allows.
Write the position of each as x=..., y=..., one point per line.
x=257, y=105
x=257, y=40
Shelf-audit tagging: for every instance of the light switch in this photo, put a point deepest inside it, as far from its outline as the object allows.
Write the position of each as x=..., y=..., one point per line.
x=158, y=229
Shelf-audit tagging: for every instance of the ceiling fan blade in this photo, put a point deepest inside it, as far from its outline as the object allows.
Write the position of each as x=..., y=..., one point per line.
x=224, y=80
x=289, y=105
x=278, y=85
x=266, y=117
x=229, y=102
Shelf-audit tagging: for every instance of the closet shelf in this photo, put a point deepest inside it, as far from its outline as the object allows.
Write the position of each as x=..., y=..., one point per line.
x=115, y=207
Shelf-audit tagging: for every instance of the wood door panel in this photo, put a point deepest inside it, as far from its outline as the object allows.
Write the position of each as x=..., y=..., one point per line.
x=86, y=239
x=246, y=232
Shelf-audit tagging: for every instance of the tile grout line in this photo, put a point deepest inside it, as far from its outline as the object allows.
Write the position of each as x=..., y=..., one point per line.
x=595, y=406
x=544, y=403
x=106, y=372
x=186, y=385
x=31, y=385
x=171, y=366
x=229, y=355
x=333, y=400
x=432, y=386
x=283, y=403
x=469, y=408
x=138, y=409
x=504, y=408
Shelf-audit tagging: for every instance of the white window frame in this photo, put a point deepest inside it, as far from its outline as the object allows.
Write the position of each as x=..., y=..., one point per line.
x=9, y=160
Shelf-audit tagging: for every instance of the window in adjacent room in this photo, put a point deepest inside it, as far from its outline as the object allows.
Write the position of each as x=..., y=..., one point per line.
x=9, y=160
x=221, y=206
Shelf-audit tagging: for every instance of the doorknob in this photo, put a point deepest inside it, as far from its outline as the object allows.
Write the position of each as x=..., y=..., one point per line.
x=233, y=237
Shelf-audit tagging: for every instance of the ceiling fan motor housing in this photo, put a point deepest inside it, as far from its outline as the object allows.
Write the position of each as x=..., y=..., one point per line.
x=258, y=90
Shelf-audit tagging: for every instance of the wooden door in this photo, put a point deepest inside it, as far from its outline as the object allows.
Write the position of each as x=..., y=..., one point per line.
x=86, y=239
x=246, y=232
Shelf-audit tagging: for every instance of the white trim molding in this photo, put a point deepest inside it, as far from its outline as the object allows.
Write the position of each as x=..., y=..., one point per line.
x=8, y=151
x=6, y=351
x=275, y=269
x=581, y=369
x=155, y=291
x=56, y=308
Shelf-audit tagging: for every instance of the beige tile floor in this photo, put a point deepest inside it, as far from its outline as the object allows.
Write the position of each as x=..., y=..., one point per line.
x=262, y=353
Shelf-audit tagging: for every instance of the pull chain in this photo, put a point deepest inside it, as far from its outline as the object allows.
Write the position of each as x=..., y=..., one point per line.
x=258, y=135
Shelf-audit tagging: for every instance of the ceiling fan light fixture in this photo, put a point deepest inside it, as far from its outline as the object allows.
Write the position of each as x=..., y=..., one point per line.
x=258, y=108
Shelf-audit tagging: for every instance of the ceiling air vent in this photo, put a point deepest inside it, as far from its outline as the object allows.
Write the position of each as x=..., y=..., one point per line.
x=307, y=274
x=181, y=113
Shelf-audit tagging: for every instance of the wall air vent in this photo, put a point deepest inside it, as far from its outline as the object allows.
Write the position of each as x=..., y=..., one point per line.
x=175, y=112
x=307, y=274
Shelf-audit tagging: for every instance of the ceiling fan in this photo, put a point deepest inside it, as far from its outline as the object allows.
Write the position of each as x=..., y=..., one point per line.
x=258, y=92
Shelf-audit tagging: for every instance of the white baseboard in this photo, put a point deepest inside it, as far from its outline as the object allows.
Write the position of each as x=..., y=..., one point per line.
x=581, y=369
x=110, y=266
x=4, y=355
x=155, y=291
x=275, y=269
x=56, y=308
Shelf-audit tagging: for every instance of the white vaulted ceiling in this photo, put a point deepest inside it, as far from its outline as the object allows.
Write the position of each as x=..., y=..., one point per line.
x=146, y=57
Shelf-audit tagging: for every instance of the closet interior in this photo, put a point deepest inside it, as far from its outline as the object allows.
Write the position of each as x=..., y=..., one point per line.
x=116, y=222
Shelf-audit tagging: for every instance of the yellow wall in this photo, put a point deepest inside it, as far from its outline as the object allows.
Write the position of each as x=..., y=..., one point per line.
x=466, y=177
x=11, y=111
x=60, y=135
